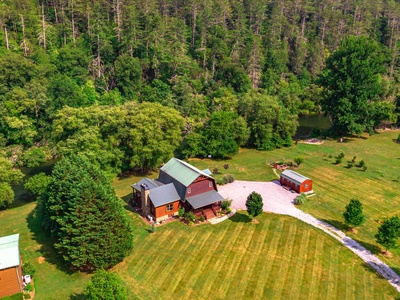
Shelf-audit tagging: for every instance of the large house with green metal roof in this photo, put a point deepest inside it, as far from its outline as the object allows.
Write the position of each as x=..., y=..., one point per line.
x=179, y=184
x=10, y=266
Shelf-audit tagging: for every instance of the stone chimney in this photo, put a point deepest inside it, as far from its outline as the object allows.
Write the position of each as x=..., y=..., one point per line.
x=144, y=197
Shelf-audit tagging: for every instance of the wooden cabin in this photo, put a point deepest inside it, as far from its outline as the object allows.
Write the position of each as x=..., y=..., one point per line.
x=296, y=181
x=179, y=184
x=10, y=266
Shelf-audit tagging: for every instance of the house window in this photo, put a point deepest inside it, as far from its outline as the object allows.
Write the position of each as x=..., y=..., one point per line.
x=306, y=186
x=170, y=207
x=210, y=184
x=189, y=190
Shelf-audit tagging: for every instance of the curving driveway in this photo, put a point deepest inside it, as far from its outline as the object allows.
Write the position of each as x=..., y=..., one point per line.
x=280, y=201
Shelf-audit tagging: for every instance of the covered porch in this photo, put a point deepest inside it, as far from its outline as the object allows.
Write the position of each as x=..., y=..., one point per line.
x=207, y=204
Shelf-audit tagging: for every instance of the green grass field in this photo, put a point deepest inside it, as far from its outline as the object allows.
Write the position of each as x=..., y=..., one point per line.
x=378, y=188
x=279, y=258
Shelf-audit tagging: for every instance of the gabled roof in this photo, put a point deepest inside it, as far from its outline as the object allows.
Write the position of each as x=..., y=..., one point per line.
x=204, y=199
x=164, y=194
x=182, y=171
x=9, y=251
x=207, y=171
x=294, y=176
x=151, y=183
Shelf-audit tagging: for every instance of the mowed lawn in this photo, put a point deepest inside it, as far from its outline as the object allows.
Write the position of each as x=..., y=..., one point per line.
x=378, y=188
x=279, y=258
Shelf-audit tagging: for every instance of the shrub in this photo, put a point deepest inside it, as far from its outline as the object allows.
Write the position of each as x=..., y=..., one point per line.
x=202, y=219
x=300, y=199
x=230, y=178
x=29, y=269
x=398, y=138
x=349, y=165
x=364, y=168
x=181, y=212
x=226, y=204
x=190, y=217
x=354, y=159
x=28, y=288
x=228, y=210
x=341, y=155
x=226, y=166
x=26, y=296
x=338, y=160
x=330, y=156
x=215, y=171
x=222, y=181
x=361, y=164
x=17, y=296
x=298, y=160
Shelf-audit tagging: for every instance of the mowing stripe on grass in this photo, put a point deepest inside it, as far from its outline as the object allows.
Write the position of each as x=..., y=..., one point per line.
x=206, y=260
x=264, y=259
x=299, y=255
x=237, y=268
x=162, y=273
x=187, y=265
x=216, y=257
x=225, y=265
x=287, y=257
x=256, y=266
x=273, y=267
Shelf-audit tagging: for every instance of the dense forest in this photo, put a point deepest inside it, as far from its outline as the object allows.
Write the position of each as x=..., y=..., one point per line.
x=130, y=82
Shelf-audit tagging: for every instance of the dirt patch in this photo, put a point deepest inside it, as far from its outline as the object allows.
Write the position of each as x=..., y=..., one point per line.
x=313, y=141
x=41, y=259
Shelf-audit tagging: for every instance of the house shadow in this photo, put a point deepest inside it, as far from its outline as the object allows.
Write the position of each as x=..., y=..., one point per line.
x=240, y=218
x=46, y=250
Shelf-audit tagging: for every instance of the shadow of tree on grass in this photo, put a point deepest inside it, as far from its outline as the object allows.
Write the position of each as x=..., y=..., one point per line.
x=240, y=218
x=46, y=242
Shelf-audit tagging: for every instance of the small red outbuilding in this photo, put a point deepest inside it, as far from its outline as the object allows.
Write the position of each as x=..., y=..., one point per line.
x=296, y=181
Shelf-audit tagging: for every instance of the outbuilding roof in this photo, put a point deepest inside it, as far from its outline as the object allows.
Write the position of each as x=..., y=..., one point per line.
x=9, y=251
x=163, y=194
x=151, y=183
x=204, y=199
x=294, y=176
x=182, y=171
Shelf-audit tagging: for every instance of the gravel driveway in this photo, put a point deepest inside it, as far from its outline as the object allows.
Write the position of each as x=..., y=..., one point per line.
x=280, y=201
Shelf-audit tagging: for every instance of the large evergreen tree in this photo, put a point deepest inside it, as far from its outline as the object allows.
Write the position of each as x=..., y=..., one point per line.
x=81, y=211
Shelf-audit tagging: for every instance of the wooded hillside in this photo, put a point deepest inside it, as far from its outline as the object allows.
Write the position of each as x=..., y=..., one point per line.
x=257, y=61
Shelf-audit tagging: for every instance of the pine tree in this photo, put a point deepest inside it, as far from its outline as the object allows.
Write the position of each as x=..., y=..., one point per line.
x=254, y=204
x=353, y=216
x=83, y=214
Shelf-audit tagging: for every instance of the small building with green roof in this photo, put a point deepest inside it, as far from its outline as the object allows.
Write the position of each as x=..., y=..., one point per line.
x=11, y=281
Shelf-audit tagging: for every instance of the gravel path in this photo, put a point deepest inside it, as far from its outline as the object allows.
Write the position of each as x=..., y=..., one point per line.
x=281, y=201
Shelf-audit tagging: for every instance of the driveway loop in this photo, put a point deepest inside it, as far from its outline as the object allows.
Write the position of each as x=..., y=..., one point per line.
x=280, y=201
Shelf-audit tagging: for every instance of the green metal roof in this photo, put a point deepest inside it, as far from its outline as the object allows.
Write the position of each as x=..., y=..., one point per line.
x=9, y=251
x=164, y=194
x=204, y=199
x=294, y=176
x=182, y=171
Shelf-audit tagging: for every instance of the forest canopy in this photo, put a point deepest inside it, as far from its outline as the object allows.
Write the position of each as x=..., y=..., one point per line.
x=130, y=83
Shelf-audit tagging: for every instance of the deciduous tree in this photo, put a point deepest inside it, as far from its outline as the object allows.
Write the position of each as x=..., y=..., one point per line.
x=388, y=233
x=105, y=286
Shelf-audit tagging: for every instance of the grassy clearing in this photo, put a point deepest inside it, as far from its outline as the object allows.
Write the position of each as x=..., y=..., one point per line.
x=277, y=259
x=378, y=188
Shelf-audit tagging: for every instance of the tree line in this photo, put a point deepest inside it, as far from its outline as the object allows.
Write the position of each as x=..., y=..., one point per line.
x=131, y=83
